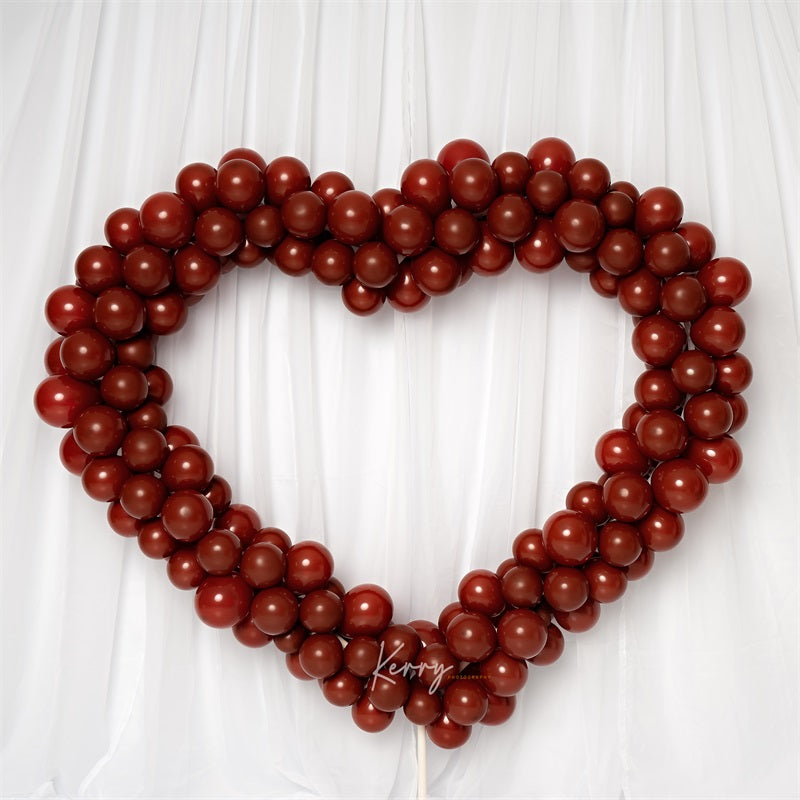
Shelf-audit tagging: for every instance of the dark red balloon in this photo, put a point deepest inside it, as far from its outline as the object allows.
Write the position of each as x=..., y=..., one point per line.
x=551, y=153
x=166, y=220
x=679, y=485
x=367, y=610
x=222, y=602
x=570, y=537
x=309, y=566
x=579, y=226
x=658, y=209
x=458, y=150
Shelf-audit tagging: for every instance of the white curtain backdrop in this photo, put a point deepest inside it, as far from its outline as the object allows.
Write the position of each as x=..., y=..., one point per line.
x=416, y=447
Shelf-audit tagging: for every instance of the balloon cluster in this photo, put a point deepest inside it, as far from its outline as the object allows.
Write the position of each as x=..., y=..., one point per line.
x=451, y=217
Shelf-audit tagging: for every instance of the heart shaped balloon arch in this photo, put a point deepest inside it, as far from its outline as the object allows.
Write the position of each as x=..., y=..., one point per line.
x=451, y=217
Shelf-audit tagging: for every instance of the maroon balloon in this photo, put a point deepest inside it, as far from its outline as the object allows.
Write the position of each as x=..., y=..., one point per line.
x=551, y=153
x=579, y=226
x=473, y=184
x=343, y=688
x=196, y=184
x=123, y=230
x=367, y=610
x=542, y=250
x=513, y=171
x=481, y=591
x=458, y=150
x=521, y=633
x=718, y=459
x=368, y=717
x=309, y=566
x=726, y=281
x=661, y=529
x=404, y=293
x=471, y=636
x=701, y=243
x=69, y=308
x=570, y=537
x=222, y=602
x=504, y=675
x=447, y=734
x=422, y=707
x=547, y=190
x=425, y=184
x=362, y=300
x=529, y=550
x=436, y=272
x=658, y=209
x=566, y=588
x=98, y=268
x=166, y=220
x=490, y=256
x=465, y=701
x=59, y=400
x=240, y=184
x=719, y=331
x=679, y=485
x=275, y=610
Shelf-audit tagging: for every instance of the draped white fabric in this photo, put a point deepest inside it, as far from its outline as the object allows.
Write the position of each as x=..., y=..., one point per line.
x=414, y=447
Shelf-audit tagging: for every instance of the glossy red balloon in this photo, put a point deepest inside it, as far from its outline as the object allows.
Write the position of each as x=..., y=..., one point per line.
x=726, y=281
x=166, y=220
x=481, y=591
x=459, y=149
x=551, y=153
x=566, y=588
x=123, y=230
x=679, y=485
x=581, y=619
x=422, y=706
x=620, y=544
x=542, y=250
x=425, y=184
x=60, y=399
x=701, y=243
x=187, y=515
x=196, y=184
x=627, y=496
x=367, y=610
x=473, y=184
x=98, y=268
x=513, y=171
x=658, y=209
x=719, y=331
x=521, y=633
x=606, y=583
x=222, y=602
x=718, y=459
x=570, y=537
x=368, y=717
x=547, y=190
x=69, y=308
x=658, y=340
x=529, y=550
x=618, y=451
x=447, y=734
x=471, y=636
x=661, y=529
x=504, y=675
x=274, y=610
x=579, y=226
